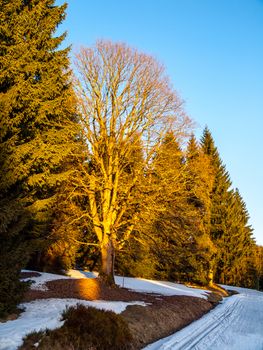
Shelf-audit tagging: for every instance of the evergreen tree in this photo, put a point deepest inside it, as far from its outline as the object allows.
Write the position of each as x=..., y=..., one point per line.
x=237, y=255
x=152, y=251
x=200, y=178
x=259, y=266
x=168, y=226
x=220, y=196
x=181, y=248
x=37, y=128
x=228, y=226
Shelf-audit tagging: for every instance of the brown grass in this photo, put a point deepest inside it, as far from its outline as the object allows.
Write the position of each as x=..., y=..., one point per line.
x=84, y=328
x=86, y=289
x=162, y=316
x=28, y=274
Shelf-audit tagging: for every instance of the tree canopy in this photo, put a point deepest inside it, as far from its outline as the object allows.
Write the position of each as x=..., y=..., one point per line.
x=38, y=128
x=125, y=104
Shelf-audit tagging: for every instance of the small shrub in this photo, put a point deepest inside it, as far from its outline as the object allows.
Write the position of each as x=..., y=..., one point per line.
x=84, y=328
x=32, y=339
x=232, y=292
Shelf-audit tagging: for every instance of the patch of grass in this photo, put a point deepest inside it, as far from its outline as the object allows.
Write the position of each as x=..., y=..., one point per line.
x=232, y=292
x=214, y=298
x=32, y=340
x=28, y=274
x=84, y=329
x=12, y=316
x=218, y=289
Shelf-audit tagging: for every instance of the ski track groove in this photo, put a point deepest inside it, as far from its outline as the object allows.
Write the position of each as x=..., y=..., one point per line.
x=219, y=320
x=235, y=324
x=219, y=329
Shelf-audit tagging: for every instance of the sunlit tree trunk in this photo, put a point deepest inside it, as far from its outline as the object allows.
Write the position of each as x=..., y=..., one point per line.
x=210, y=277
x=107, y=262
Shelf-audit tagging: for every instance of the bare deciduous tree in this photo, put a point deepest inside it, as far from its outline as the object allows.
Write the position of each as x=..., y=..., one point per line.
x=126, y=105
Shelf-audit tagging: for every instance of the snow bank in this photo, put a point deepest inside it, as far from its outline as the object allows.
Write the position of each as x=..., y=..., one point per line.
x=160, y=287
x=245, y=291
x=148, y=286
x=42, y=314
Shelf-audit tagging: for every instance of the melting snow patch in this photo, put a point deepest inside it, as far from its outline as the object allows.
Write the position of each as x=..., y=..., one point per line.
x=160, y=287
x=39, y=281
x=42, y=314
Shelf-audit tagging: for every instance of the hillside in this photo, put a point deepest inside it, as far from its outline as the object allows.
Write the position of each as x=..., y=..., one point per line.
x=152, y=309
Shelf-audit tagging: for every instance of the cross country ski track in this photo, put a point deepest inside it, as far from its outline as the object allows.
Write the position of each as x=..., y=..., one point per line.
x=235, y=324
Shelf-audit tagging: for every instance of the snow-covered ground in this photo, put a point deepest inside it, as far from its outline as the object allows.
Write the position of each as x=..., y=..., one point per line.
x=42, y=314
x=136, y=284
x=39, y=282
x=46, y=313
x=148, y=286
x=236, y=324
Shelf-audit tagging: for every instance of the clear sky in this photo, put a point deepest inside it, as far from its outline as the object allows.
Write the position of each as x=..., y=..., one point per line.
x=213, y=52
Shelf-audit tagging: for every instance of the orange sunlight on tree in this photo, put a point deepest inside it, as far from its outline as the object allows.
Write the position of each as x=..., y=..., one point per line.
x=126, y=106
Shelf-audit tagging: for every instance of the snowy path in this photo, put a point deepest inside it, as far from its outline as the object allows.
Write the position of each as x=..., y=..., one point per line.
x=236, y=324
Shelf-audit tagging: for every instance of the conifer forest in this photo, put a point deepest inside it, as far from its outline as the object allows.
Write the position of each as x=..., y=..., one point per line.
x=100, y=167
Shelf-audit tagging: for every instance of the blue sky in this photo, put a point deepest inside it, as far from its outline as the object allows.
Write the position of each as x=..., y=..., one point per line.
x=213, y=52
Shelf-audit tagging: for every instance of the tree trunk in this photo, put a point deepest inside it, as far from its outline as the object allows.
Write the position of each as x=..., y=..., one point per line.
x=210, y=277
x=107, y=263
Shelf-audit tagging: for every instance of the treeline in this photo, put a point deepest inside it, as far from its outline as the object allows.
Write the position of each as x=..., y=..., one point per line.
x=102, y=170
x=201, y=232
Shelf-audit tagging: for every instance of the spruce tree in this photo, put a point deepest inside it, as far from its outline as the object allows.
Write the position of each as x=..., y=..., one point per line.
x=167, y=230
x=238, y=264
x=228, y=226
x=220, y=196
x=259, y=266
x=179, y=247
x=37, y=128
x=200, y=178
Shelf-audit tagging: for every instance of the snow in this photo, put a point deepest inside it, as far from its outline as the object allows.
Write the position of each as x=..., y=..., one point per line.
x=236, y=324
x=82, y=274
x=42, y=314
x=160, y=287
x=148, y=286
x=39, y=282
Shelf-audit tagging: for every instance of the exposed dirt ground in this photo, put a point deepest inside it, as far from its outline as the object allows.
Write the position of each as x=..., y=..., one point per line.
x=163, y=316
